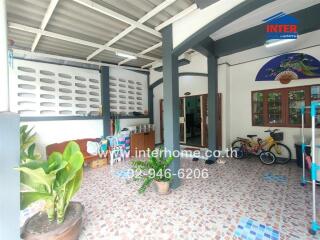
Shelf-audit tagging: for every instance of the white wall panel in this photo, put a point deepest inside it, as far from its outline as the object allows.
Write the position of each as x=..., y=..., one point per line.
x=128, y=92
x=42, y=89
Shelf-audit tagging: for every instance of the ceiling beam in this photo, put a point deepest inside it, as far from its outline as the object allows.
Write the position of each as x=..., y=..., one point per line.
x=163, y=25
x=142, y=52
x=77, y=60
x=143, y=19
x=222, y=20
x=45, y=20
x=74, y=40
x=148, y=65
x=177, y=17
x=106, y=11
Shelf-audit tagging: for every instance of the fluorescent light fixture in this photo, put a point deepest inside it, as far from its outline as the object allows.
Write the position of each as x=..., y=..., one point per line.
x=269, y=44
x=125, y=55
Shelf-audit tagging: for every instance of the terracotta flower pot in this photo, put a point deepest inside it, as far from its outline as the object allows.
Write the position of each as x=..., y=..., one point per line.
x=38, y=226
x=162, y=187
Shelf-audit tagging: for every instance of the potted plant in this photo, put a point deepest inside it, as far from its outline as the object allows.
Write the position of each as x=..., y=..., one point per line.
x=55, y=181
x=155, y=169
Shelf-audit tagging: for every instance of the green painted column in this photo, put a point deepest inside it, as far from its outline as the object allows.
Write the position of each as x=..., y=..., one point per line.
x=171, y=102
x=212, y=104
x=105, y=99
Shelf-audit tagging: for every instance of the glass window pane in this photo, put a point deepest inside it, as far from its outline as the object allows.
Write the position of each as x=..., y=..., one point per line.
x=274, y=108
x=257, y=108
x=181, y=107
x=258, y=119
x=296, y=101
x=315, y=92
x=318, y=118
x=257, y=102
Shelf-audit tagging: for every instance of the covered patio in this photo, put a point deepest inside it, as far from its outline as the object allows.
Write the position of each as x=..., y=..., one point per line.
x=105, y=79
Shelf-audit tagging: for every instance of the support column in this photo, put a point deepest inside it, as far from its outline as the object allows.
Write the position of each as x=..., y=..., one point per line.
x=9, y=178
x=171, y=102
x=212, y=104
x=105, y=98
x=9, y=145
x=4, y=79
x=150, y=101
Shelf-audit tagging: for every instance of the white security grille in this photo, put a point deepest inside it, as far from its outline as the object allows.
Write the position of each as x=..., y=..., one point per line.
x=128, y=92
x=42, y=89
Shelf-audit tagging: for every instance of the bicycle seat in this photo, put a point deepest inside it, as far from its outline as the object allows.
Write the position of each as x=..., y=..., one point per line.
x=251, y=136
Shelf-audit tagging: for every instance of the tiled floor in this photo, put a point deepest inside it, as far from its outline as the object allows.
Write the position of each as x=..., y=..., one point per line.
x=209, y=208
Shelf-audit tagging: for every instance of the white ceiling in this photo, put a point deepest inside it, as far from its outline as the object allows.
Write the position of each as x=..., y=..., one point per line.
x=255, y=18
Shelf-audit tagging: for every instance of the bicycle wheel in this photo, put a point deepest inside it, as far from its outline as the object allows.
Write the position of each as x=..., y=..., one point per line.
x=237, y=153
x=267, y=157
x=282, y=152
x=237, y=143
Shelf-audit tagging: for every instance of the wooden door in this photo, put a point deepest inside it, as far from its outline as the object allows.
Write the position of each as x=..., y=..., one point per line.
x=219, y=122
x=204, y=120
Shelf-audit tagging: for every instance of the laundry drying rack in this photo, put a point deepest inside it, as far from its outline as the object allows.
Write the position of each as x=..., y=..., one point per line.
x=315, y=168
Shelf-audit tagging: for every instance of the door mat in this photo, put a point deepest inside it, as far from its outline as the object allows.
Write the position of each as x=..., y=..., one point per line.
x=270, y=177
x=124, y=173
x=249, y=229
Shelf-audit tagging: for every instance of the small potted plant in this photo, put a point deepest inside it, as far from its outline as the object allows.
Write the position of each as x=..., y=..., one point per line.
x=155, y=169
x=55, y=181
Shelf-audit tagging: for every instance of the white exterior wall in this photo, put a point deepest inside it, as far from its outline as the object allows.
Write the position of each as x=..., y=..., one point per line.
x=235, y=83
x=242, y=82
x=49, y=132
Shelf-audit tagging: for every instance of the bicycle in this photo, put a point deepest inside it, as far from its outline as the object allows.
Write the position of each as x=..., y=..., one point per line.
x=256, y=146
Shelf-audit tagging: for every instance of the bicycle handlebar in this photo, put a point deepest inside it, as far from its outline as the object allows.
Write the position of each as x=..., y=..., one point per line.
x=272, y=131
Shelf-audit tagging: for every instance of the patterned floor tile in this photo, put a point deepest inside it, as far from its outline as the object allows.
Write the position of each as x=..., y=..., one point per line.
x=249, y=229
x=201, y=208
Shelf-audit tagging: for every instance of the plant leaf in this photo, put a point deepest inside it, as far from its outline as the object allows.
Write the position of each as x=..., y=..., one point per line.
x=145, y=184
x=56, y=163
x=71, y=148
x=31, y=150
x=29, y=183
x=38, y=175
x=72, y=187
x=74, y=164
x=26, y=198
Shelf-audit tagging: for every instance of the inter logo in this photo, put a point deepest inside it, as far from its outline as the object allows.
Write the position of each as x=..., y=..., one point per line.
x=281, y=26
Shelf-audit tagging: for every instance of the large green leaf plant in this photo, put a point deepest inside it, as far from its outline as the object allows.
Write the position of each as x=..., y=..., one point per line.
x=27, y=145
x=154, y=169
x=55, y=180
